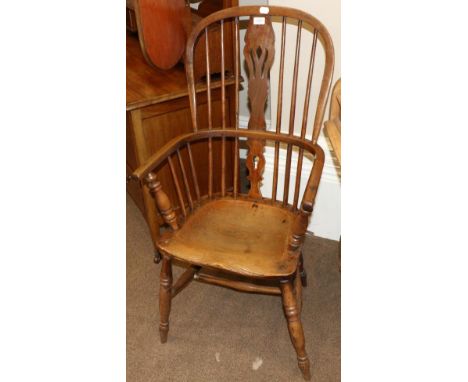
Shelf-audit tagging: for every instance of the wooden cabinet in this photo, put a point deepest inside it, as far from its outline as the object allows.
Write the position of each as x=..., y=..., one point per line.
x=157, y=111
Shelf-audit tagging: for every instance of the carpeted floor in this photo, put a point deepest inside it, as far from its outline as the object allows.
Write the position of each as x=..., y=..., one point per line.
x=217, y=334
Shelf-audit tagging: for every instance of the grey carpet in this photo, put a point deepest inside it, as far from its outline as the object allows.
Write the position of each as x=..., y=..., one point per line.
x=217, y=334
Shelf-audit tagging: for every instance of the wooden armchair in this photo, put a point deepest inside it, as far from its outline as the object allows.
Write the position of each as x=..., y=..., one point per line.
x=246, y=242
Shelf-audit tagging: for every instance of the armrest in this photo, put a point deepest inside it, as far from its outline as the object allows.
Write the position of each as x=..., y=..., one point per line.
x=314, y=181
x=156, y=159
x=144, y=172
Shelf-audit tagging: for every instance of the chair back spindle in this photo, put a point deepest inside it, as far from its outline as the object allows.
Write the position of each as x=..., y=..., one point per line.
x=279, y=108
x=236, y=106
x=223, y=112
x=185, y=180
x=304, y=118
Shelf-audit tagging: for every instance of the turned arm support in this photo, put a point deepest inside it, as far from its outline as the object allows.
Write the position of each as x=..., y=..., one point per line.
x=162, y=201
x=307, y=205
x=314, y=181
x=144, y=174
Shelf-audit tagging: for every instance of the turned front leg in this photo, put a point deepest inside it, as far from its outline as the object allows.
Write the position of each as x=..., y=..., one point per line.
x=165, y=297
x=169, y=216
x=296, y=332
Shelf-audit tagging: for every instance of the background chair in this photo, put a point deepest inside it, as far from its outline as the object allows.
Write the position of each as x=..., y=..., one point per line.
x=245, y=241
x=333, y=130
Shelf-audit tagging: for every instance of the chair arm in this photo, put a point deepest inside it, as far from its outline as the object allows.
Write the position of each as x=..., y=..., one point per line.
x=156, y=159
x=302, y=219
x=314, y=181
x=144, y=172
x=301, y=223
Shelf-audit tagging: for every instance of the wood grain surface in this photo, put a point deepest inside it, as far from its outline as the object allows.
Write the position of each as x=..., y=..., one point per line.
x=162, y=30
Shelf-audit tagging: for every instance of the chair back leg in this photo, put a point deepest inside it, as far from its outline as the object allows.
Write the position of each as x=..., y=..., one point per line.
x=298, y=291
x=165, y=297
x=302, y=271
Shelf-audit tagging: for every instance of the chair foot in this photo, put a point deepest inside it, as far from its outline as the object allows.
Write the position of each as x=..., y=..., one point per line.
x=296, y=332
x=302, y=271
x=163, y=332
x=304, y=365
x=157, y=256
x=165, y=298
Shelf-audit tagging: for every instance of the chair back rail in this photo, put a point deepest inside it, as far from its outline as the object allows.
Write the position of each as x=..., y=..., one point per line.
x=258, y=57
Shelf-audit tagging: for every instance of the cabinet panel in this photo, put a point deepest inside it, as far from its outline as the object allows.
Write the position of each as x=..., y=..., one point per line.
x=132, y=161
x=133, y=188
x=161, y=128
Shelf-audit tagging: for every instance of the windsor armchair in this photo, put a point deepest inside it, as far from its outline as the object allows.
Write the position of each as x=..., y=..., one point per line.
x=252, y=242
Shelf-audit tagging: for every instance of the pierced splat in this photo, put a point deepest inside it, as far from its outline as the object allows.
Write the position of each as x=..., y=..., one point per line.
x=255, y=163
x=259, y=52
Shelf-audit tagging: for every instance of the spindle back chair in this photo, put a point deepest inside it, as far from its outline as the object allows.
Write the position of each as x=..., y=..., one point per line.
x=244, y=241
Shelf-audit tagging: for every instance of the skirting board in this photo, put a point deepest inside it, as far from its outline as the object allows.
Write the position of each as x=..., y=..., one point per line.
x=326, y=218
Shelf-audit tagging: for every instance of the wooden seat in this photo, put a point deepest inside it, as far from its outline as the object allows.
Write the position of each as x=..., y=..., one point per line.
x=238, y=236
x=245, y=235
